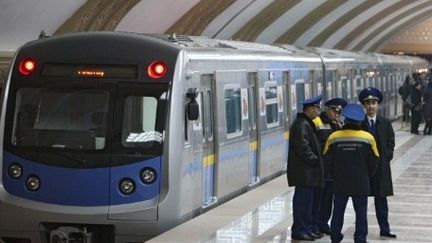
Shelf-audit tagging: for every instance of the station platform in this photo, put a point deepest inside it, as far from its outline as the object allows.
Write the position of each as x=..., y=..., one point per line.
x=264, y=214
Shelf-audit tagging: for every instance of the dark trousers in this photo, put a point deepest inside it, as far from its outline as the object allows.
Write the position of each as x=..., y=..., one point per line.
x=406, y=110
x=415, y=120
x=428, y=126
x=326, y=206
x=360, y=208
x=381, y=212
x=306, y=202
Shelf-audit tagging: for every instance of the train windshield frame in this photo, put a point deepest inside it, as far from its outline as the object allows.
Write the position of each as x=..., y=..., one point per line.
x=60, y=118
x=85, y=122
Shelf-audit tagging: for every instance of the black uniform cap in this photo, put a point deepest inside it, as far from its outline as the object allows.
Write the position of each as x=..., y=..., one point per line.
x=336, y=103
x=370, y=93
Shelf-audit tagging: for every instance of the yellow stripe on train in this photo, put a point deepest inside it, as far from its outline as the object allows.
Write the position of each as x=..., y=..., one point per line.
x=208, y=160
x=253, y=145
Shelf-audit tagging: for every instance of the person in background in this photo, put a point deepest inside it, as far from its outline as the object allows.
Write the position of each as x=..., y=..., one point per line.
x=305, y=170
x=404, y=91
x=355, y=156
x=382, y=130
x=416, y=107
x=326, y=123
x=427, y=108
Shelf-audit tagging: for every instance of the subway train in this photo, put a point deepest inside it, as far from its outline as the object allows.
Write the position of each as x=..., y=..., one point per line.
x=117, y=137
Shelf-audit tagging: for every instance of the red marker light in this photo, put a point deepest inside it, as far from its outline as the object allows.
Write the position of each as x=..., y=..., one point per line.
x=157, y=69
x=27, y=66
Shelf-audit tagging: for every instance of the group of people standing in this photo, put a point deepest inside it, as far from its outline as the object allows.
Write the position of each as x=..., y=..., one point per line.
x=341, y=152
x=416, y=94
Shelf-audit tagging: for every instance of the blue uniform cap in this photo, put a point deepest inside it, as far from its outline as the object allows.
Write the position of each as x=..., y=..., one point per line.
x=336, y=103
x=311, y=101
x=354, y=112
x=370, y=93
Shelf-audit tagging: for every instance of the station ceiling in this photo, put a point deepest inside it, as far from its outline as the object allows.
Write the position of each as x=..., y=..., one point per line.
x=365, y=25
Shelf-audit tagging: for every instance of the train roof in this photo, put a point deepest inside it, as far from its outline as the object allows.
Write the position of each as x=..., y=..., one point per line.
x=338, y=56
x=202, y=47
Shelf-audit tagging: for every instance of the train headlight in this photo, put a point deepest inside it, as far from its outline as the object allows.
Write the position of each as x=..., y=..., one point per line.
x=157, y=69
x=27, y=66
x=127, y=186
x=15, y=170
x=148, y=175
x=33, y=183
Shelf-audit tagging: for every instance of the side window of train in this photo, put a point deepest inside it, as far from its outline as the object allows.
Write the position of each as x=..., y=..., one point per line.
x=203, y=114
x=316, y=81
x=344, y=88
x=233, y=110
x=372, y=75
x=252, y=77
x=272, y=115
x=358, y=87
x=330, y=80
x=208, y=113
x=300, y=93
x=139, y=122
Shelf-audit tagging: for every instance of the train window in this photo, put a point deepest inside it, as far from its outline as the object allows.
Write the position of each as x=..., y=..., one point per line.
x=300, y=93
x=271, y=106
x=330, y=80
x=359, y=87
x=345, y=88
x=233, y=111
x=252, y=107
x=203, y=114
x=139, y=122
x=60, y=118
x=210, y=116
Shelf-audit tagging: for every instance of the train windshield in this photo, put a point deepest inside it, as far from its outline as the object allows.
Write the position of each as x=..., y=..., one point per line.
x=60, y=118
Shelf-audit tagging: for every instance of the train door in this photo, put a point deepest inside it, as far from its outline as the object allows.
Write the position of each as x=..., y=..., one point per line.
x=208, y=173
x=253, y=134
x=232, y=134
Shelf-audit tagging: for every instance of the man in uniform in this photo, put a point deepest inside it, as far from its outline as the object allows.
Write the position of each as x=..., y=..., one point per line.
x=326, y=123
x=354, y=155
x=305, y=169
x=382, y=130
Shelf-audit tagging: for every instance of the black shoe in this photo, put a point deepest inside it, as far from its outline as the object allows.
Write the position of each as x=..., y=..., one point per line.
x=305, y=237
x=325, y=231
x=388, y=234
x=316, y=235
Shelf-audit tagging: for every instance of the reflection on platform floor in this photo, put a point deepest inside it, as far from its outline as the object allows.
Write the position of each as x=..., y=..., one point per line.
x=264, y=214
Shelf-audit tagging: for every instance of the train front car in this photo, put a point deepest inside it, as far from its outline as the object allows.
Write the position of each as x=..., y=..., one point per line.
x=82, y=150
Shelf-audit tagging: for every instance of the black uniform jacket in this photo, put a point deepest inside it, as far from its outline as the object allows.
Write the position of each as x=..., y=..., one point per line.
x=382, y=184
x=355, y=156
x=324, y=128
x=305, y=162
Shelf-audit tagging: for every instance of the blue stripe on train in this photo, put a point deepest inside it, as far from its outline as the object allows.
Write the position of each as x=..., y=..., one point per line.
x=80, y=187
